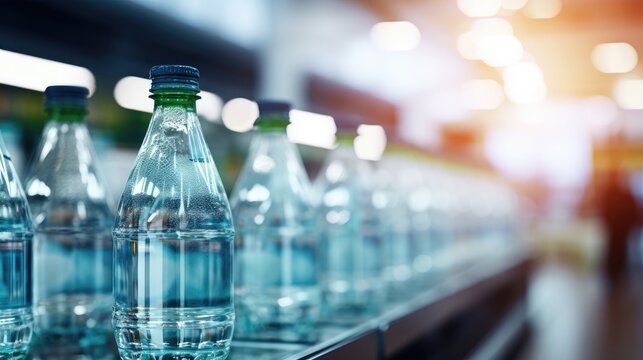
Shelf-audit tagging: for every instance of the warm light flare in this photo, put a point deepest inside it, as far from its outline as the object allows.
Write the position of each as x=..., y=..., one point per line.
x=479, y=8
x=543, y=9
x=513, y=4
x=467, y=45
x=524, y=83
x=396, y=35
x=480, y=31
x=614, y=58
x=628, y=93
x=483, y=94
x=500, y=50
x=491, y=26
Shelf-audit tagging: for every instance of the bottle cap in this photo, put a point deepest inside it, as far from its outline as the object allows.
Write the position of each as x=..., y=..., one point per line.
x=66, y=95
x=274, y=115
x=174, y=77
x=273, y=108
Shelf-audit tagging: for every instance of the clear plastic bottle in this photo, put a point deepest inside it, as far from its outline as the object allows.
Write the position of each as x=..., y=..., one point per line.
x=389, y=198
x=173, y=236
x=72, y=219
x=276, y=251
x=351, y=237
x=16, y=319
x=421, y=204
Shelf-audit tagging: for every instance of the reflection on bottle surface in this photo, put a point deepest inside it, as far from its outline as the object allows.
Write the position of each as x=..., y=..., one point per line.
x=16, y=320
x=72, y=219
x=173, y=289
x=277, y=294
x=352, y=239
x=173, y=236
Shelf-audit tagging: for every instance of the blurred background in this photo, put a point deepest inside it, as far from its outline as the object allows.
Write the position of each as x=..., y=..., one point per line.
x=544, y=95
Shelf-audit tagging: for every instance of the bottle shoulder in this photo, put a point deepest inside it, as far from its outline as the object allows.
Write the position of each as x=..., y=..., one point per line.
x=273, y=172
x=174, y=185
x=15, y=215
x=65, y=167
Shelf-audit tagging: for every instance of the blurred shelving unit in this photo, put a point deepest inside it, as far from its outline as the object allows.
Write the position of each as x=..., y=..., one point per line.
x=478, y=313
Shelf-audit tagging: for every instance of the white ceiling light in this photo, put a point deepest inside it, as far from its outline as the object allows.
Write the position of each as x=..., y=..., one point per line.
x=132, y=92
x=312, y=129
x=34, y=73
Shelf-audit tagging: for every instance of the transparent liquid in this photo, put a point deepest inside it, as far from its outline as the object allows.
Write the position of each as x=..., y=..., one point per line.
x=173, y=294
x=276, y=275
x=398, y=272
x=73, y=276
x=351, y=270
x=16, y=319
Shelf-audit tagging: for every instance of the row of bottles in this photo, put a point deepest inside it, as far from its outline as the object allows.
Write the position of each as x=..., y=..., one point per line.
x=335, y=251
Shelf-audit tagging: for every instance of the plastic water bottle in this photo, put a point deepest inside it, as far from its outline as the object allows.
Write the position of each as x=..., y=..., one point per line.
x=72, y=220
x=389, y=198
x=275, y=248
x=351, y=236
x=16, y=320
x=173, y=236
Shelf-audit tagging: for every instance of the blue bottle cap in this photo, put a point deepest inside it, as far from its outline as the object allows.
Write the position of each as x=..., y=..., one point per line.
x=174, y=77
x=273, y=108
x=66, y=95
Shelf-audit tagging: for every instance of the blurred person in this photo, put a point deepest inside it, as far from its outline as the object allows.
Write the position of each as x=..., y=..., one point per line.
x=621, y=216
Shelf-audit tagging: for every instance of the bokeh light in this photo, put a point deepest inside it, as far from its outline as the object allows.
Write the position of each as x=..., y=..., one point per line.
x=239, y=114
x=131, y=92
x=483, y=94
x=513, y=4
x=209, y=106
x=543, y=9
x=312, y=129
x=524, y=83
x=479, y=8
x=500, y=50
x=34, y=73
x=628, y=93
x=480, y=30
x=396, y=35
x=614, y=58
x=370, y=142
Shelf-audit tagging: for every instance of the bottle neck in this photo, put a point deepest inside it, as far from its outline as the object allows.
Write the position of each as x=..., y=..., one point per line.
x=272, y=124
x=185, y=99
x=345, y=140
x=66, y=113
